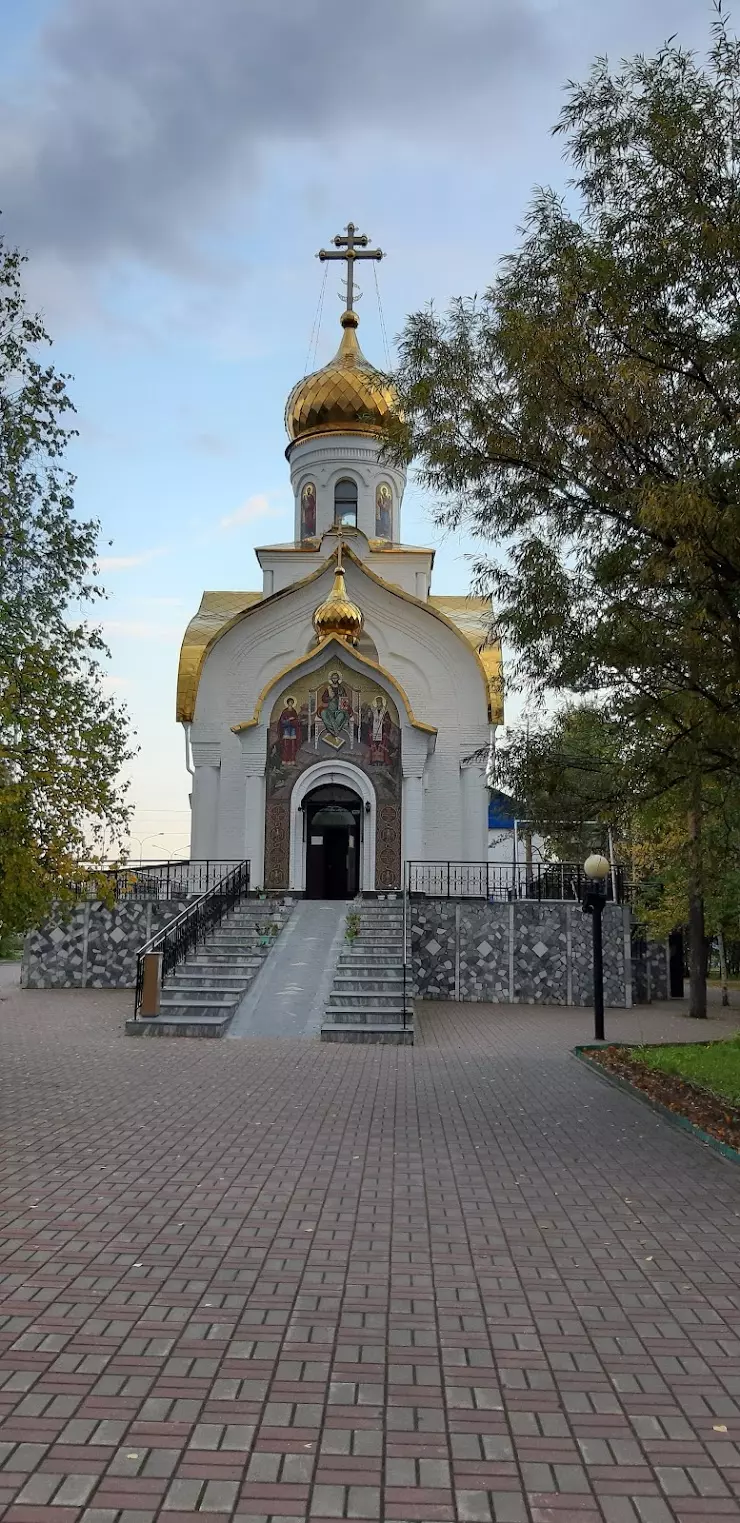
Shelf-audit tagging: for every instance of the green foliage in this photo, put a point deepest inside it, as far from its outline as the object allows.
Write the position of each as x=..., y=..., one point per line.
x=62, y=739
x=570, y=778
x=584, y=415
x=715, y=1067
x=584, y=773
x=661, y=864
x=352, y=926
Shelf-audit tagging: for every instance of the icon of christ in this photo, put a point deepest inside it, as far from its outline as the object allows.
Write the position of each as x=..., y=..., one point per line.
x=335, y=712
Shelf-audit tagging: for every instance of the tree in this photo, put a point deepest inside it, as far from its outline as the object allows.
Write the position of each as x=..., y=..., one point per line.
x=583, y=773
x=62, y=738
x=571, y=776
x=585, y=415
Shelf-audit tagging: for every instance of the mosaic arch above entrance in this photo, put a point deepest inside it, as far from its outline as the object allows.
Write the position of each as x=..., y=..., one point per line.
x=333, y=714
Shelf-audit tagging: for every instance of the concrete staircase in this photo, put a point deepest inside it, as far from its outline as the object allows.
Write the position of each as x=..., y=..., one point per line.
x=366, y=1000
x=201, y=995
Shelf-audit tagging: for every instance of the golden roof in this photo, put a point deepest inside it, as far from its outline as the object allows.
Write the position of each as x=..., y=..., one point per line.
x=220, y=611
x=338, y=615
x=473, y=617
x=347, y=396
x=217, y=610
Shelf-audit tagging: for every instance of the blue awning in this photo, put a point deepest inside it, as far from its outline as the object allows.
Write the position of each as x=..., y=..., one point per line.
x=501, y=812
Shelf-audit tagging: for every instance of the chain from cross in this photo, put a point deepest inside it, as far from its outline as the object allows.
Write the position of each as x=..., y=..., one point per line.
x=350, y=245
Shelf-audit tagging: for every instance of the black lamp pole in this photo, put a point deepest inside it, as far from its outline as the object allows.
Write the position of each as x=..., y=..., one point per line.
x=594, y=899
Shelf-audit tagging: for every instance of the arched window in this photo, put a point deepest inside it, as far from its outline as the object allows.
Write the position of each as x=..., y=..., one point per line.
x=345, y=503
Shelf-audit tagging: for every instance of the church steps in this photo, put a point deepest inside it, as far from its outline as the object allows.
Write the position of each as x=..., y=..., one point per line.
x=367, y=973
x=358, y=1015
x=350, y=968
x=181, y=1025
x=179, y=997
x=202, y=994
x=214, y=959
x=358, y=999
x=209, y=979
x=228, y=935
x=367, y=994
x=348, y=990
x=379, y=943
x=398, y=1036
x=374, y=945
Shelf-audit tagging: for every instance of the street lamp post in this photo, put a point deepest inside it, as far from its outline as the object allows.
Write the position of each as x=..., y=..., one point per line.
x=596, y=869
x=142, y=840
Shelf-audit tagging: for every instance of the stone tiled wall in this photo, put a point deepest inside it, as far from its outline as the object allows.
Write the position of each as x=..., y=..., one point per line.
x=93, y=946
x=522, y=952
x=649, y=970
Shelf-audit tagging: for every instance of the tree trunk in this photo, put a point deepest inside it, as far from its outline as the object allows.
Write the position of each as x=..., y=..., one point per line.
x=697, y=943
x=723, y=967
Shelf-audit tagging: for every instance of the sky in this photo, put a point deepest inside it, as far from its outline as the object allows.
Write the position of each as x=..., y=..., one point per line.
x=171, y=167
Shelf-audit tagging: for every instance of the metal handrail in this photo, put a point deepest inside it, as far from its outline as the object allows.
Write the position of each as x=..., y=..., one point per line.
x=178, y=878
x=405, y=922
x=184, y=931
x=497, y=881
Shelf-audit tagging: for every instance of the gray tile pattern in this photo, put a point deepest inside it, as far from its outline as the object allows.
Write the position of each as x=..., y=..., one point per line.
x=94, y=946
x=522, y=952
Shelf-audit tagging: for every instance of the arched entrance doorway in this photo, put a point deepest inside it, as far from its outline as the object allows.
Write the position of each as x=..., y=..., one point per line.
x=333, y=817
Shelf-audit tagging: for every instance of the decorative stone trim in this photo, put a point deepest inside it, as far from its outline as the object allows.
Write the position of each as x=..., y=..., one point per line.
x=519, y=952
x=94, y=946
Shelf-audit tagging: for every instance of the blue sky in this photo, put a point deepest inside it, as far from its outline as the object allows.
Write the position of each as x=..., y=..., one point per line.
x=171, y=168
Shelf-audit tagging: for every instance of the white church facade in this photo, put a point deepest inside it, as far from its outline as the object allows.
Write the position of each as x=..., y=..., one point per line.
x=337, y=719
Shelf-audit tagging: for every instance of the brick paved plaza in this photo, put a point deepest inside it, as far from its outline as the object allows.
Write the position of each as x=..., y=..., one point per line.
x=283, y=1279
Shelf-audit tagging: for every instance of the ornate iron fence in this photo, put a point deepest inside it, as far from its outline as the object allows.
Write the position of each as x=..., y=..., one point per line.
x=182, y=934
x=176, y=879
x=503, y=881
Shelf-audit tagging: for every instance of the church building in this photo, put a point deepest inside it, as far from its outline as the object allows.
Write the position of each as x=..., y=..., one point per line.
x=337, y=719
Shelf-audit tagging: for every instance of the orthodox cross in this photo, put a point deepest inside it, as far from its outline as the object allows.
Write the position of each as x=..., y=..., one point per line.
x=350, y=245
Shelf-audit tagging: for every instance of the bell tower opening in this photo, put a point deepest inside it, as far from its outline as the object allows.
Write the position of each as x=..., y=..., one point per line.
x=333, y=817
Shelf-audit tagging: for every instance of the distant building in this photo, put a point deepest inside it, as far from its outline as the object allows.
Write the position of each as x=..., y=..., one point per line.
x=508, y=842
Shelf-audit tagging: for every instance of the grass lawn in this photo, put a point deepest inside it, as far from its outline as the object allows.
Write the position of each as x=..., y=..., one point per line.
x=716, y=1067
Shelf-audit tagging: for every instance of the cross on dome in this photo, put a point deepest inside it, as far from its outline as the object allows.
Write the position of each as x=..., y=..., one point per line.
x=348, y=395
x=350, y=245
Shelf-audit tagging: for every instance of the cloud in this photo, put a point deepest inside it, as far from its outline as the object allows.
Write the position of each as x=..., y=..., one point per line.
x=258, y=506
x=126, y=562
x=143, y=116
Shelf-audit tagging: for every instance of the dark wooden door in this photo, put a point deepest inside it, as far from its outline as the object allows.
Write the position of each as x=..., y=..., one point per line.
x=332, y=856
x=336, y=840
x=315, y=863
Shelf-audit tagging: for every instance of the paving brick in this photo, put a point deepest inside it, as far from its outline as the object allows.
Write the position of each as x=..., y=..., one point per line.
x=478, y=1205
x=183, y=1496
x=74, y=1491
x=38, y=1490
x=219, y=1496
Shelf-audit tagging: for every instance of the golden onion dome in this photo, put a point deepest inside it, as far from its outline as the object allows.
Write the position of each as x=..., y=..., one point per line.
x=338, y=615
x=347, y=396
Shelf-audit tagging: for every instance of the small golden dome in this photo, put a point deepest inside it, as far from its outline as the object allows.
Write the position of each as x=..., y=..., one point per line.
x=347, y=396
x=339, y=615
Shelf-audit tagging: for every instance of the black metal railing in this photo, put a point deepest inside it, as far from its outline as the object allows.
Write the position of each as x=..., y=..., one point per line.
x=499, y=881
x=177, y=879
x=182, y=934
x=405, y=947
